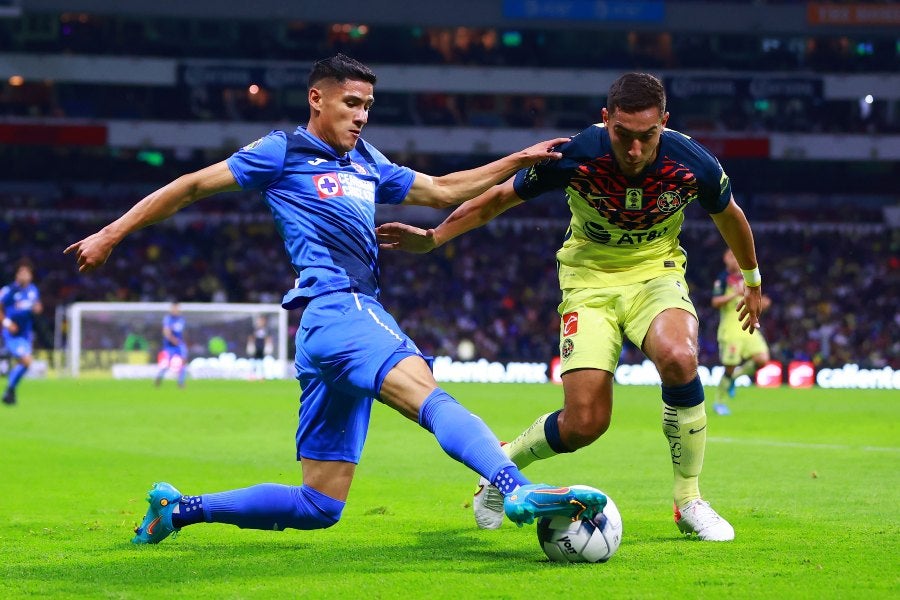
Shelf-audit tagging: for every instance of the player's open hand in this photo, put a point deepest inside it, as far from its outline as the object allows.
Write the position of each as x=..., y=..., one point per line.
x=542, y=151
x=749, y=308
x=400, y=236
x=91, y=252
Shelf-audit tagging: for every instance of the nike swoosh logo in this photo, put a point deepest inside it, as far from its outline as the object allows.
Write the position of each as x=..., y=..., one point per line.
x=152, y=525
x=479, y=490
x=696, y=430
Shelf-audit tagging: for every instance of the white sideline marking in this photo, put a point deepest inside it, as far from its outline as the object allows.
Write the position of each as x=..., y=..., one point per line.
x=726, y=440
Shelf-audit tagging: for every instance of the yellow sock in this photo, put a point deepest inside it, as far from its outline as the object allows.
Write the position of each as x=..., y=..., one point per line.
x=722, y=388
x=685, y=429
x=748, y=367
x=530, y=445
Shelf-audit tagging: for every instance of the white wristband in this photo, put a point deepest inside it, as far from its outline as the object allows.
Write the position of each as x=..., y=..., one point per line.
x=7, y=322
x=752, y=278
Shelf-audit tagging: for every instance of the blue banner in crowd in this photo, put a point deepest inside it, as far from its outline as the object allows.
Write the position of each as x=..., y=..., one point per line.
x=585, y=10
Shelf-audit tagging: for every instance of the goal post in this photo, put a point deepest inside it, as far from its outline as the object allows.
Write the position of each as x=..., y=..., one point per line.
x=123, y=339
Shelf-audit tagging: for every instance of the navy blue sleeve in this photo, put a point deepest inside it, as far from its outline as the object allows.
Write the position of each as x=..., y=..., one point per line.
x=714, y=185
x=555, y=174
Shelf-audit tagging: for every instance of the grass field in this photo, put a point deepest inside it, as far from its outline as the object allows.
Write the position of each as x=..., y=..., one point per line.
x=809, y=479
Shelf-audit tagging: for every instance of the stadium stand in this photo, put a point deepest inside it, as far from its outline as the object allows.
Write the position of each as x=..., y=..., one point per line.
x=101, y=107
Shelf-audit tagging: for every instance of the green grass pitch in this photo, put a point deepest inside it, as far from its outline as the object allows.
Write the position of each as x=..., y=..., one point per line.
x=808, y=478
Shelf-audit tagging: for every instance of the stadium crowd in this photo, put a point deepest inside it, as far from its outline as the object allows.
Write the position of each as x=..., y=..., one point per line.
x=833, y=289
x=798, y=58
x=625, y=49
x=834, y=285
x=433, y=109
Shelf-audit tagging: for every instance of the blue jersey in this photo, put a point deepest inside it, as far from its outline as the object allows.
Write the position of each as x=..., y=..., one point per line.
x=175, y=324
x=18, y=302
x=324, y=207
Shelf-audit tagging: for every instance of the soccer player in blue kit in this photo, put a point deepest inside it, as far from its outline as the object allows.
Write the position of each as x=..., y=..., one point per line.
x=321, y=183
x=174, y=348
x=19, y=302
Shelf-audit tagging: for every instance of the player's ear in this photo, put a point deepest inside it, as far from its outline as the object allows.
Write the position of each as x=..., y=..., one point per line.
x=315, y=98
x=604, y=114
x=665, y=118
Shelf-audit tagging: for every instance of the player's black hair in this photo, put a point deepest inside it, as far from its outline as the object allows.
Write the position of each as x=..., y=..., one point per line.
x=340, y=67
x=634, y=92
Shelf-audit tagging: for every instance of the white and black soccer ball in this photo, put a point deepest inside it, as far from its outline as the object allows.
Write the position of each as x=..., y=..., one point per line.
x=586, y=540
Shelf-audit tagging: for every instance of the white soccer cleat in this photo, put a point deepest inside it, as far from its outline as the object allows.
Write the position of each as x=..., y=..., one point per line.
x=487, y=504
x=698, y=517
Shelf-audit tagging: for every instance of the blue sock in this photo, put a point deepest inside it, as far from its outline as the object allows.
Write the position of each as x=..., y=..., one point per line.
x=508, y=479
x=182, y=373
x=466, y=438
x=15, y=376
x=190, y=511
x=684, y=396
x=272, y=506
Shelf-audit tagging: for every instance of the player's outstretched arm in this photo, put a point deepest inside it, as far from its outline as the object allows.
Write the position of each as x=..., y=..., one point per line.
x=92, y=251
x=720, y=301
x=455, y=188
x=735, y=229
x=469, y=215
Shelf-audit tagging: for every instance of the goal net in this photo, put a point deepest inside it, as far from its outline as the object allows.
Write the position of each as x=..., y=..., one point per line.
x=124, y=339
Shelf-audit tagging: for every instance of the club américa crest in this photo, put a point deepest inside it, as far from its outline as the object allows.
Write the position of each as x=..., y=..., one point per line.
x=669, y=202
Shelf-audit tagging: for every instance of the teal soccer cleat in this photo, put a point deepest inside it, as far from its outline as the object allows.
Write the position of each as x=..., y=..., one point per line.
x=532, y=501
x=157, y=524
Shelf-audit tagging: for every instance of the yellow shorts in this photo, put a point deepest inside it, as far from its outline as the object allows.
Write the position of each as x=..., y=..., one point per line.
x=594, y=319
x=735, y=347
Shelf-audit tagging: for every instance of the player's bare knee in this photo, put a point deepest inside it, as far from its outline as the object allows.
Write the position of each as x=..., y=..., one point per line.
x=677, y=365
x=584, y=428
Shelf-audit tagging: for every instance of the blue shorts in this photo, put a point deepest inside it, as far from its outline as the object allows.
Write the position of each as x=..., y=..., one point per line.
x=17, y=345
x=179, y=350
x=346, y=345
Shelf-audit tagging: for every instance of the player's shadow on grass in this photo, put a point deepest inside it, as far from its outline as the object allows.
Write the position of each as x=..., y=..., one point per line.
x=460, y=549
x=232, y=558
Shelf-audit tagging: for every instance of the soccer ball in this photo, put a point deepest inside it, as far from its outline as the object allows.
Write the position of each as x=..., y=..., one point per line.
x=586, y=540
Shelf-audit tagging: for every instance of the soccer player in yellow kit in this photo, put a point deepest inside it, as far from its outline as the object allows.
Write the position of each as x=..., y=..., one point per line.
x=741, y=354
x=621, y=269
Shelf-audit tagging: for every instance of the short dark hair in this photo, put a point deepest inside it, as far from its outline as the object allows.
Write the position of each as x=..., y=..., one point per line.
x=340, y=67
x=634, y=92
x=25, y=263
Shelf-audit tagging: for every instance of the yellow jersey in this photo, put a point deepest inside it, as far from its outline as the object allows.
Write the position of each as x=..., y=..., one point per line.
x=625, y=229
